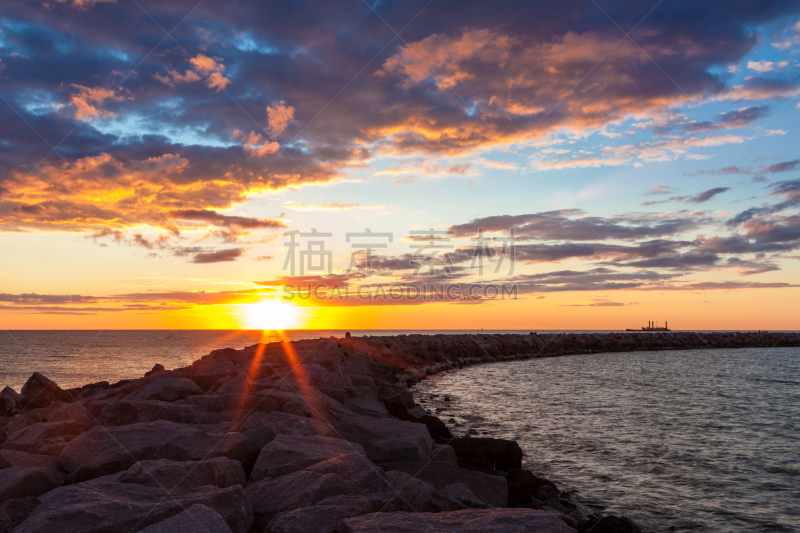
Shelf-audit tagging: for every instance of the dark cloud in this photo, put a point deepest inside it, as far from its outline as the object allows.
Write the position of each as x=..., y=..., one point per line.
x=788, y=190
x=707, y=195
x=784, y=166
x=696, y=199
x=212, y=217
x=567, y=224
x=660, y=189
x=733, y=119
x=220, y=256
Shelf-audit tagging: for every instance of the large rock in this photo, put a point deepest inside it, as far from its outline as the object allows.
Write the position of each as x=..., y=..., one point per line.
x=290, y=453
x=326, y=516
x=14, y=512
x=462, y=494
x=487, y=455
x=47, y=437
x=221, y=472
x=351, y=474
x=288, y=424
x=124, y=412
x=468, y=521
x=357, y=471
x=8, y=401
x=270, y=497
x=367, y=406
x=385, y=439
x=105, y=507
x=260, y=428
x=488, y=488
x=169, y=389
x=437, y=429
x=23, y=474
x=106, y=450
x=418, y=496
x=524, y=485
x=39, y=391
x=197, y=518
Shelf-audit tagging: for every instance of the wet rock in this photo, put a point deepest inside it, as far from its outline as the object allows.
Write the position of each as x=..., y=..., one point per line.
x=445, y=453
x=103, y=506
x=220, y=472
x=523, y=486
x=290, y=453
x=461, y=493
x=101, y=451
x=168, y=389
x=468, y=521
x=547, y=493
x=14, y=512
x=196, y=517
x=39, y=391
x=615, y=524
x=437, y=429
x=487, y=455
x=387, y=439
x=488, y=488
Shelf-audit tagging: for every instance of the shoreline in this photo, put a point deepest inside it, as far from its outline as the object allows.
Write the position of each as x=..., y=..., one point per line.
x=313, y=435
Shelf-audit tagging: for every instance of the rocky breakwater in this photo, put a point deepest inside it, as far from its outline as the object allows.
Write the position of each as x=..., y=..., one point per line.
x=310, y=436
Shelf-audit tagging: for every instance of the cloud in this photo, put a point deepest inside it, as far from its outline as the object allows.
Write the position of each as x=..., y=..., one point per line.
x=220, y=256
x=332, y=207
x=279, y=116
x=784, y=166
x=161, y=143
x=737, y=118
x=660, y=189
x=569, y=224
x=204, y=67
x=707, y=195
x=174, y=77
x=766, y=66
x=699, y=198
x=762, y=89
x=256, y=144
x=83, y=4
x=87, y=100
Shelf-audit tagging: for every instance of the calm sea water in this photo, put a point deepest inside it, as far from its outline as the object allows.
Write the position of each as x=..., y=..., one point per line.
x=703, y=440
x=77, y=357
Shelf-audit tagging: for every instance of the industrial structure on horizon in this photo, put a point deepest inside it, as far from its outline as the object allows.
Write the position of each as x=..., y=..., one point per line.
x=651, y=326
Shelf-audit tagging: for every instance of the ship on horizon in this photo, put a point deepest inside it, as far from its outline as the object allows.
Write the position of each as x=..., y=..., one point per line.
x=651, y=326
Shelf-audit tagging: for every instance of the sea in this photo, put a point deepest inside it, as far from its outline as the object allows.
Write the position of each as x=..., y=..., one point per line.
x=695, y=440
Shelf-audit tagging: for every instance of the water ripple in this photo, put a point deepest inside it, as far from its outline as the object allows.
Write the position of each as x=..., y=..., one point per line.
x=703, y=440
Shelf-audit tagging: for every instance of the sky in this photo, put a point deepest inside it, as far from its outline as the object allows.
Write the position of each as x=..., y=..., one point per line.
x=399, y=165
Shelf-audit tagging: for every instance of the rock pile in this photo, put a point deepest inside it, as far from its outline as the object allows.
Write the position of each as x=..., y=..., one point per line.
x=314, y=436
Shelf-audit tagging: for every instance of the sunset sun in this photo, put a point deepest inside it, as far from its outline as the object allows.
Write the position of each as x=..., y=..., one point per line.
x=272, y=314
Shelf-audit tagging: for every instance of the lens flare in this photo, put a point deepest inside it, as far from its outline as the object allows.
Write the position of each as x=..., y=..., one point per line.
x=272, y=315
